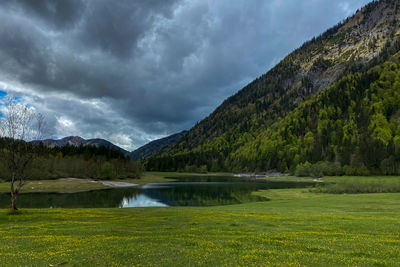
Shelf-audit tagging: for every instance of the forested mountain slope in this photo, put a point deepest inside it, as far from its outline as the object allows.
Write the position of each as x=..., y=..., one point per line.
x=154, y=146
x=354, y=122
x=233, y=137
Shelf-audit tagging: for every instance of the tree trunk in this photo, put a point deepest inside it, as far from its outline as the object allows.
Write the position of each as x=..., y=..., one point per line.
x=14, y=193
x=14, y=201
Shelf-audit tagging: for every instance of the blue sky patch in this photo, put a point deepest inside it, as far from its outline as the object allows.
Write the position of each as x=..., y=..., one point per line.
x=17, y=98
x=2, y=94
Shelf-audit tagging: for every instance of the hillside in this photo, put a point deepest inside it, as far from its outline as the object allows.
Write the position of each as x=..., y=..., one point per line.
x=232, y=137
x=154, y=146
x=78, y=141
x=354, y=123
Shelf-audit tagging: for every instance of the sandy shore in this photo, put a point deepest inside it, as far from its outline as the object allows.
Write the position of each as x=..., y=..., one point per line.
x=106, y=183
x=117, y=184
x=266, y=174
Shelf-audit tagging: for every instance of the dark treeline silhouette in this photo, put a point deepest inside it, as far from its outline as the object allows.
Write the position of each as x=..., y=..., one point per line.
x=97, y=162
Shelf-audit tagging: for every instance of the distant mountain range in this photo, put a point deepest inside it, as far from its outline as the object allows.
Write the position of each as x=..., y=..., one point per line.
x=137, y=154
x=78, y=141
x=155, y=145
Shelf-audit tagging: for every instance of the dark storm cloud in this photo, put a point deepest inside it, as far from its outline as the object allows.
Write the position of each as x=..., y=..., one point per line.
x=132, y=71
x=55, y=13
x=116, y=26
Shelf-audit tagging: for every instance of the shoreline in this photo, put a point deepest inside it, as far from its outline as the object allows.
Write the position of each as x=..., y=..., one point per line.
x=74, y=185
x=260, y=175
x=67, y=185
x=110, y=183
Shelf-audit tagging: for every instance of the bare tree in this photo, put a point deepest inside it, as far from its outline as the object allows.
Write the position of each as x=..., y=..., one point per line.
x=18, y=125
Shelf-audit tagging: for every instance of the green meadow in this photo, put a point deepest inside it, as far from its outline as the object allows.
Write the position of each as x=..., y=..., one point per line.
x=297, y=227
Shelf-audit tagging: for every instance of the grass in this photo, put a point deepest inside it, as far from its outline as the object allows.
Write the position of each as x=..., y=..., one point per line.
x=295, y=228
x=360, y=184
x=348, y=184
x=288, y=179
x=59, y=185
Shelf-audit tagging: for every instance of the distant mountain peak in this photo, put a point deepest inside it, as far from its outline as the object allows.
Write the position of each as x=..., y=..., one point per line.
x=78, y=141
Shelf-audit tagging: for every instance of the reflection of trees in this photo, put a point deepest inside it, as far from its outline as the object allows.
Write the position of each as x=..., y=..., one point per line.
x=228, y=190
x=203, y=195
x=211, y=194
x=108, y=198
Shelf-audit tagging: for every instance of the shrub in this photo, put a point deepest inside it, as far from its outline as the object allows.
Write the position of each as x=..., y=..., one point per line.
x=303, y=169
x=317, y=170
x=323, y=168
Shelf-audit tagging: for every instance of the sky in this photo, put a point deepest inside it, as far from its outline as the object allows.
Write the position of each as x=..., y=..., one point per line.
x=131, y=71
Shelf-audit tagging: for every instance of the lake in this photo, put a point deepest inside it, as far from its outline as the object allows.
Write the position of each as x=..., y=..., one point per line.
x=185, y=191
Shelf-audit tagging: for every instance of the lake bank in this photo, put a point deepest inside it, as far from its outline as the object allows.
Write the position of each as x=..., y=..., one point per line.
x=184, y=190
x=72, y=185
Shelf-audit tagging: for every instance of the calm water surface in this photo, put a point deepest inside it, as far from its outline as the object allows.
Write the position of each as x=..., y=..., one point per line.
x=185, y=191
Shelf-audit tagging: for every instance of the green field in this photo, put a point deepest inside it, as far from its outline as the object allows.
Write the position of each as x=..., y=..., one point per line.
x=295, y=228
x=360, y=184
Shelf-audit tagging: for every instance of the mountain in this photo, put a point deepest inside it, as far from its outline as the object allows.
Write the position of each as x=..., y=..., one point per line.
x=285, y=117
x=78, y=141
x=155, y=146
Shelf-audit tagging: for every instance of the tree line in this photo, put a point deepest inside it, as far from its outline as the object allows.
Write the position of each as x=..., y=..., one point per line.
x=96, y=162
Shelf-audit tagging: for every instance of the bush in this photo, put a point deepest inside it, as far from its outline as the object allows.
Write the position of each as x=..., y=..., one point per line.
x=203, y=169
x=390, y=166
x=317, y=170
x=354, y=171
x=333, y=169
x=323, y=168
x=303, y=170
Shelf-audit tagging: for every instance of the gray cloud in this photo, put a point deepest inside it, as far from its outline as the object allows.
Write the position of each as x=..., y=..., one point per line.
x=132, y=71
x=116, y=26
x=55, y=14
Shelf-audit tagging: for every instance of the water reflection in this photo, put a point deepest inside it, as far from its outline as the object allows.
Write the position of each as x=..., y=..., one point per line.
x=203, y=193
x=108, y=198
x=186, y=191
x=140, y=200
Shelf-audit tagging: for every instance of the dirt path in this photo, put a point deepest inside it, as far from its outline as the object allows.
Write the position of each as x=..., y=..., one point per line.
x=106, y=183
x=117, y=184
